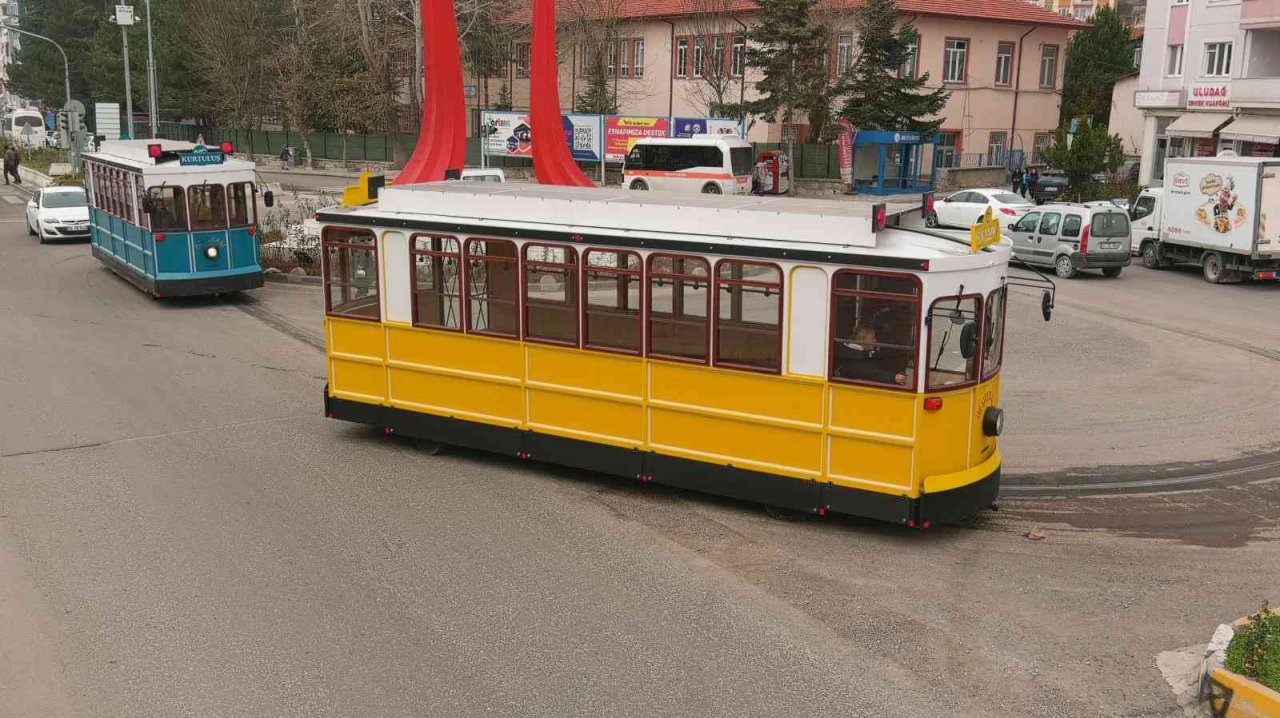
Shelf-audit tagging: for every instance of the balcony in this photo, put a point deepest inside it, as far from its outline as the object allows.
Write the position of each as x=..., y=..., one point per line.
x=1259, y=92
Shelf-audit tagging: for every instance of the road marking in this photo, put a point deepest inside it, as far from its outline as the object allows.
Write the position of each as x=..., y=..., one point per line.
x=11, y=199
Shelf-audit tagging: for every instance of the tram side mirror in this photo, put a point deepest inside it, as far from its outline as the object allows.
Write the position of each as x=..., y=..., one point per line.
x=968, y=340
x=148, y=205
x=269, y=198
x=1046, y=305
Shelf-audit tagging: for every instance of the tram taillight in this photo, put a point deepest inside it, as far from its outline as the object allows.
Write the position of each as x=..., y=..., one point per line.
x=154, y=151
x=228, y=148
x=879, y=216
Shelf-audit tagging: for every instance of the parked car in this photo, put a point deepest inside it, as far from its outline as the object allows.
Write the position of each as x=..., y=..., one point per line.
x=1070, y=237
x=962, y=209
x=483, y=174
x=58, y=213
x=1049, y=185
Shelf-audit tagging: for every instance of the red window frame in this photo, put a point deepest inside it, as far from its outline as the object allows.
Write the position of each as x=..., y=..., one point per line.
x=327, y=270
x=468, y=257
x=570, y=268
x=916, y=299
x=414, y=253
x=677, y=300
x=778, y=286
x=977, y=359
x=584, y=284
x=987, y=372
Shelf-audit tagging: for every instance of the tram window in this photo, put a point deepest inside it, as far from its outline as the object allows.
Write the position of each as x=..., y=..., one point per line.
x=950, y=320
x=350, y=273
x=875, y=329
x=208, y=206
x=612, y=299
x=241, y=204
x=748, y=315
x=678, y=306
x=493, y=287
x=437, y=292
x=551, y=293
x=993, y=337
x=170, y=213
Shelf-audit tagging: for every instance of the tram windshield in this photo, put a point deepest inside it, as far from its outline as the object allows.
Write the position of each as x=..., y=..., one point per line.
x=953, y=324
x=208, y=206
x=241, y=203
x=170, y=209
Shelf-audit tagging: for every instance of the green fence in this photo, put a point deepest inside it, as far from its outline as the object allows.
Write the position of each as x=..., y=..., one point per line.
x=810, y=161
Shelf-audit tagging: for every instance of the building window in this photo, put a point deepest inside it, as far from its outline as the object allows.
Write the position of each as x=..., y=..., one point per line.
x=208, y=205
x=912, y=63
x=437, y=290
x=1004, y=63
x=611, y=299
x=679, y=304
x=624, y=62
x=522, y=59
x=682, y=57
x=699, y=56
x=955, y=60
x=748, y=315
x=1173, y=65
x=875, y=329
x=1039, y=144
x=945, y=154
x=612, y=67
x=717, y=56
x=551, y=293
x=493, y=281
x=739, y=55
x=1217, y=59
x=637, y=54
x=350, y=273
x=1049, y=67
x=844, y=53
x=948, y=363
x=996, y=147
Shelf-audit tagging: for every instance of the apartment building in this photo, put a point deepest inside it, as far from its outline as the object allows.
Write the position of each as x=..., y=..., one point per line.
x=1078, y=9
x=1209, y=81
x=1002, y=61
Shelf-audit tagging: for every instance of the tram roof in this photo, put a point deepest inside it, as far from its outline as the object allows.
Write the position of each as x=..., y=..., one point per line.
x=134, y=155
x=779, y=227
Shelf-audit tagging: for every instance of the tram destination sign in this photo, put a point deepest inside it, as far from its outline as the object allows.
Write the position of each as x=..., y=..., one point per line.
x=985, y=233
x=201, y=156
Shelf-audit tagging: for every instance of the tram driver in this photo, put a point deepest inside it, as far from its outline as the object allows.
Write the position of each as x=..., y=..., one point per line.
x=864, y=358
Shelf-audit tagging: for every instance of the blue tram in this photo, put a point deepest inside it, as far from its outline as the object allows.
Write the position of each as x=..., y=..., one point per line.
x=175, y=218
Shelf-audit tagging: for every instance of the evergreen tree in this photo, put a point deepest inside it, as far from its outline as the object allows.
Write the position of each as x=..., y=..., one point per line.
x=790, y=49
x=1095, y=59
x=1090, y=151
x=877, y=95
x=597, y=95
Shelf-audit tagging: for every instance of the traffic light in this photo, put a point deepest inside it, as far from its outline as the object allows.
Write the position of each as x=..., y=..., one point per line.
x=62, y=122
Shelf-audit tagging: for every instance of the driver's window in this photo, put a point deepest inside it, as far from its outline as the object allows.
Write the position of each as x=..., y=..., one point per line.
x=1144, y=207
x=1049, y=225
x=1028, y=222
x=953, y=341
x=957, y=197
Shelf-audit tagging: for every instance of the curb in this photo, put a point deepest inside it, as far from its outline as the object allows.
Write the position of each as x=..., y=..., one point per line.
x=275, y=275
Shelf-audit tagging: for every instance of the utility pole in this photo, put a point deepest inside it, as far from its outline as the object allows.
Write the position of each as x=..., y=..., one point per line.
x=124, y=18
x=153, y=96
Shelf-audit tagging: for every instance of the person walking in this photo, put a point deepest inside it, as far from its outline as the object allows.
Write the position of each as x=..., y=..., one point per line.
x=1027, y=178
x=11, y=161
x=1017, y=179
x=286, y=155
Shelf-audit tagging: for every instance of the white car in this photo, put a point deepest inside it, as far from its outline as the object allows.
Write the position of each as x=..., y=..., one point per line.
x=962, y=209
x=58, y=213
x=483, y=174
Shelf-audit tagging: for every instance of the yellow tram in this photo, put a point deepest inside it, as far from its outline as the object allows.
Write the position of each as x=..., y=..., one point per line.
x=791, y=352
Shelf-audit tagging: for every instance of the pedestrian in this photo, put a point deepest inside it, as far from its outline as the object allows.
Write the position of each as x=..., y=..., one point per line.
x=1017, y=179
x=11, y=161
x=286, y=155
x=1027, y=179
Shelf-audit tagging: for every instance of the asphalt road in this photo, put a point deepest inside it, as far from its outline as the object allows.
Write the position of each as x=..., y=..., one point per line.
x=182, y=533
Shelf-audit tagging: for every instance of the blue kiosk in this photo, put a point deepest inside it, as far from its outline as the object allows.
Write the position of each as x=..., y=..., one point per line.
x=889, y=161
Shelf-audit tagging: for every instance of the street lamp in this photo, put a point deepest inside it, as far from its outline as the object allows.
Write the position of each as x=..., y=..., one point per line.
x=66, y=66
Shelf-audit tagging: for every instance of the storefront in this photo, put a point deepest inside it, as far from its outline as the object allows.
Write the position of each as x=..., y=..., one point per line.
x=1257, y=135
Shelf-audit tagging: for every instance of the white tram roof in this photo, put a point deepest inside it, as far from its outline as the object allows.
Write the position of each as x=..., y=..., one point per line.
x=134, y=154
x=776, y=225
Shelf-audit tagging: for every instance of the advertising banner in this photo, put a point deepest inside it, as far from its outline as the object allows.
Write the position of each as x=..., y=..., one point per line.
x=1211, y=205
x=848, y=134
x=620, y=133
x=509, y=135
x=695, y=126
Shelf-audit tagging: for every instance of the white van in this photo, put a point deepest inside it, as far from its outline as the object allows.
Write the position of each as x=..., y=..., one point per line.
x=710, y=165
x=24, y=127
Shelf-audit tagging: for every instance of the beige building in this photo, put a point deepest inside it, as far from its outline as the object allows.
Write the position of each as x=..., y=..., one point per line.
x=1002, y=61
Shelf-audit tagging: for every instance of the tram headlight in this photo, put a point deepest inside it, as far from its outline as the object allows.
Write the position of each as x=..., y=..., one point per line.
x=993, y=421
x=211, y=252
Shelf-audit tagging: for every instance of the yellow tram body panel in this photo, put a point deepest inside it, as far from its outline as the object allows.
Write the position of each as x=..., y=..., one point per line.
x=862, y=438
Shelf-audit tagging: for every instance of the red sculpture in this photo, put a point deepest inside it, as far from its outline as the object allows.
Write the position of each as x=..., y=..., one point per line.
x=442, y=137
x=552, y=161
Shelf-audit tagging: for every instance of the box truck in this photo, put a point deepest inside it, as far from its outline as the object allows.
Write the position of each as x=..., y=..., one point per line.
x=1221, y=214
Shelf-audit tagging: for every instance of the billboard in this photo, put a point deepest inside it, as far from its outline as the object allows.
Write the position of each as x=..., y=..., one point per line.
x=694, y=126
x=1211, y=204
x=510, y=134
x=620, y=133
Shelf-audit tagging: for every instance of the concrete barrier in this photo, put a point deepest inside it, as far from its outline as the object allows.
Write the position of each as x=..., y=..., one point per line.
x=32, y=178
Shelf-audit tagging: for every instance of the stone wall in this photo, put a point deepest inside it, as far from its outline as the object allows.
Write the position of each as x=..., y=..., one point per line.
x=951, y=179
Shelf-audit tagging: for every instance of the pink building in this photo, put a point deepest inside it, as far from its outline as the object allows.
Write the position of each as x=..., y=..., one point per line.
x=1002, y=61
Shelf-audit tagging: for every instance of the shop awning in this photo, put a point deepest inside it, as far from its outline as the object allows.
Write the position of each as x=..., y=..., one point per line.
x=1197, y=124
x=1253, y=128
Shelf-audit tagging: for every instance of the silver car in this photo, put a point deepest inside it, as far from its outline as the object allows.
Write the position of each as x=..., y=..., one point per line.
x=1072, y=237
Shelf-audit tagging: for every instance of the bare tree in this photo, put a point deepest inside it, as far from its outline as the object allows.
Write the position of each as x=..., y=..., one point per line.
x=718, y=83
x=234, y=75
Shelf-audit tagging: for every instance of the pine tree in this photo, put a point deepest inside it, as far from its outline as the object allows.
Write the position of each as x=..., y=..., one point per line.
x=877, y=95
x=1095, y=59
x=1090, y=151
x=790, y=50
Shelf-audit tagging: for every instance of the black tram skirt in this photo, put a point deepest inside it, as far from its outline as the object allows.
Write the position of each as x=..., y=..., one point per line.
x=782, y=491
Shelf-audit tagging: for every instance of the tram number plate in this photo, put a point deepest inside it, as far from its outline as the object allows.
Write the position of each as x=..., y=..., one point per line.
x=1111, y=245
